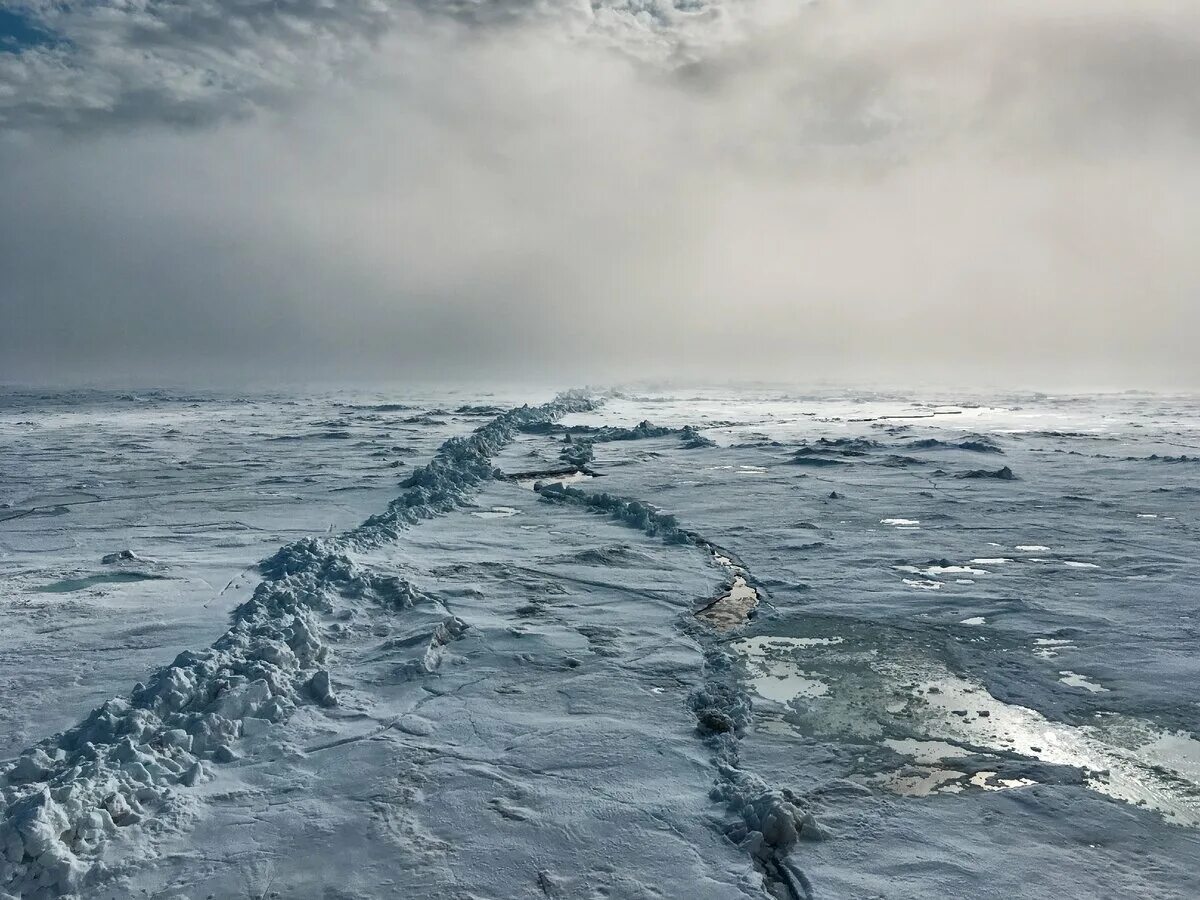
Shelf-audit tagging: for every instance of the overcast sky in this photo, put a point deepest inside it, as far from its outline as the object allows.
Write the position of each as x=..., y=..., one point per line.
x=1000, y=192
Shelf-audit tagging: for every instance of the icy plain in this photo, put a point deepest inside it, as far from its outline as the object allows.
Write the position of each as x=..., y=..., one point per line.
x=612, y=644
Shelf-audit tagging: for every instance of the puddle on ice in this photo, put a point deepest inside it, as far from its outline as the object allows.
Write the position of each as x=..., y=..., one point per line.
x=923, y=784
x=939, y=780
x=496, y=512
x=880, y=688
x=1074, y=679
x=1124, y=758
x=774, y=675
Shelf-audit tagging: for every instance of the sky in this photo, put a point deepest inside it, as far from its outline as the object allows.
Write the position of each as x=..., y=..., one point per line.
x=215, y=190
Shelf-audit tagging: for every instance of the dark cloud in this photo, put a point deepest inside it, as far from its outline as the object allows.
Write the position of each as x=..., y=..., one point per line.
x=723, y=188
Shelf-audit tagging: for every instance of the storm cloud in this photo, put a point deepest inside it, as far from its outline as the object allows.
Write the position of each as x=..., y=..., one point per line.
x=725, y=188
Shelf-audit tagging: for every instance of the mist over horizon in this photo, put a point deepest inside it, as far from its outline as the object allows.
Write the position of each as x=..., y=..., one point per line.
x=890, y=193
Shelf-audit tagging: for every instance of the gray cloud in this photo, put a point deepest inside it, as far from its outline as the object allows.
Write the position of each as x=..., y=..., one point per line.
x=727, y=189
x=198, y=61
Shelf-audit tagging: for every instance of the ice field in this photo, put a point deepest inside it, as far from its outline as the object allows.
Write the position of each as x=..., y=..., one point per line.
x=613, y=643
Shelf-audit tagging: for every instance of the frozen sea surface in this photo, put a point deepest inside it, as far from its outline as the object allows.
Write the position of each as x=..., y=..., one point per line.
x=654, y=644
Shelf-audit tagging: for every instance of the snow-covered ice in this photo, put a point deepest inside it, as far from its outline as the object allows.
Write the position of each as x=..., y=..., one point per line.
x=663, y=643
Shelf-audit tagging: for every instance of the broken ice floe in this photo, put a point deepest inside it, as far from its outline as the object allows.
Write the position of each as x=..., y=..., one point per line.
x=537, y=481
x=734, y=607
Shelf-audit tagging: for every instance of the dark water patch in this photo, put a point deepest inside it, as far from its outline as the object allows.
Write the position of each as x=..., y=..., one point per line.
x=287, y=479
x=641, y=431
x=755, y=445
x=1001, y=474
x=694, y=440
x=857, y=446
x=381, y=407
x=619, y=555
x=896, y=461
x=817, y=462
x=70, y=585
x=973, y=443
x=550, y=428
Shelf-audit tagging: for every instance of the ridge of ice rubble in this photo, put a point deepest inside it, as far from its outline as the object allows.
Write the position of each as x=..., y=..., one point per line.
x=459, y=466
x=763, y=822
x=121, y=774
x=631, y=512
x=579, y=442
